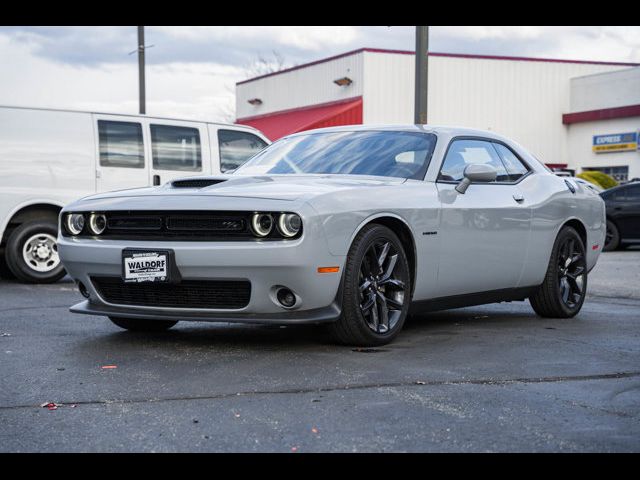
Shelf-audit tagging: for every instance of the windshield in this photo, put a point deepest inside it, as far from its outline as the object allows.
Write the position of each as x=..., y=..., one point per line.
x=380, y=153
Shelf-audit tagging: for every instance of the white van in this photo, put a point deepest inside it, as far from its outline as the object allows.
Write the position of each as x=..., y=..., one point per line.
x=49, y=158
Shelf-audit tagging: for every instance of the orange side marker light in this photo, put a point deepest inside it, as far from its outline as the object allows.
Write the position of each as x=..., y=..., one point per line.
x=328, y=269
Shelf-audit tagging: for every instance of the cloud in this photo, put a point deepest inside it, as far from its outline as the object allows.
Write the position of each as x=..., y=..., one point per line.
x=192, y=70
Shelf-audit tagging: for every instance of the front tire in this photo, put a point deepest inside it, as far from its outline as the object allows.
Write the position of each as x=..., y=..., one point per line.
x=32, y=252
x=143, y=325
x=562, y=293
x=375, y=291
x=612, y=237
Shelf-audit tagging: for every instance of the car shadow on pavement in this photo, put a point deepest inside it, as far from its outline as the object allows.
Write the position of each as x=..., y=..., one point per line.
x=433, y=326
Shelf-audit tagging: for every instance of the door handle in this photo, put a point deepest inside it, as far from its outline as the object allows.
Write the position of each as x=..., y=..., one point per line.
x=518, y=197
x=156, y=180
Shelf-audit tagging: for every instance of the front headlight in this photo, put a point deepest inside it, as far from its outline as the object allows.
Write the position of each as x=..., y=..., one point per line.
x=97, y=223
x=289, y=224
x=261, y=224
x=74, y=223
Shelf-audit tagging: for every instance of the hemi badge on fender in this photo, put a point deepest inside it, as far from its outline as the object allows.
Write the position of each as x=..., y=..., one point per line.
x=429, y=233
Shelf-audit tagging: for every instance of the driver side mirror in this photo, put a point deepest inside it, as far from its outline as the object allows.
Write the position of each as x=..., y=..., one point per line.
x=476, y=173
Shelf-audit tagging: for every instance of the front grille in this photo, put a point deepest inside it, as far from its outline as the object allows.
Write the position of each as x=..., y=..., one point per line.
x=206, y=223
x=134, y=223
x=214, y=294
x=179, y=225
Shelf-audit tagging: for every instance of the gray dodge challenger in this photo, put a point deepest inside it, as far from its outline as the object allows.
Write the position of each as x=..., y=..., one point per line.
x=353, y=227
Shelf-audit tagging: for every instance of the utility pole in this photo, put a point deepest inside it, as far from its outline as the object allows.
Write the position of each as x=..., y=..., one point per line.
x=141, y=80
x=422, y=78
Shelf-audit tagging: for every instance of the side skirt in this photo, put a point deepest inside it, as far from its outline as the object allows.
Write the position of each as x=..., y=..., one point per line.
x=471, y=299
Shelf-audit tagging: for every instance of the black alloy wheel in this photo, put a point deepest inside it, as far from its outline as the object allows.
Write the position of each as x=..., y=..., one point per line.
x=562, y=293
x=382, y=287
x=612, y=237
x=376, y=289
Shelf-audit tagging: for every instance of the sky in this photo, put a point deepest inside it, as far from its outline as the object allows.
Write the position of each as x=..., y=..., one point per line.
x=192, y=71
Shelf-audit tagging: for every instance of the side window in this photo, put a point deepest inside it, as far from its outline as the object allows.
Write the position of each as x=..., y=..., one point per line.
x=515, y=168
x=617, y=195
x=120, y=144
x=465, y=152
x=632, y=193
x=237, y=147
x=176, y=148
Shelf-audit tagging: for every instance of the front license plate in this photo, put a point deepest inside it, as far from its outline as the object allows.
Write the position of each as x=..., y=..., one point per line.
x=145, y=266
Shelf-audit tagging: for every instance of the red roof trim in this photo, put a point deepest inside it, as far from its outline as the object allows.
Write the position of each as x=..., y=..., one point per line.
x=298, y=109
x=602, y=114
x=435, y=54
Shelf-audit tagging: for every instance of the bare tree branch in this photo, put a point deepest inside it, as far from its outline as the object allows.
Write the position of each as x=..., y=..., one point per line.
x=261, y=65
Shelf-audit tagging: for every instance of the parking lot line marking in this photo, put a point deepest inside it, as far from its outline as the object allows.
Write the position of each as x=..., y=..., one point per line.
x=490, y=382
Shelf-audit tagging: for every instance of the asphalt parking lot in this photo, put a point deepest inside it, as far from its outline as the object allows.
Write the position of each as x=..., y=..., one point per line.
x=490, y=378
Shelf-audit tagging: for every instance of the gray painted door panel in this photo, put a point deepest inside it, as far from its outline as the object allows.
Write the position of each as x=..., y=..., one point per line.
x=484, y=238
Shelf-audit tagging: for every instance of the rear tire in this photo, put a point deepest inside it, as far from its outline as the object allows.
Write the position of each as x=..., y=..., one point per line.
x=5, y=273
x=612, y=238
x=143, y=325
x=32, y=252
x=376, y=289
x=562, y=293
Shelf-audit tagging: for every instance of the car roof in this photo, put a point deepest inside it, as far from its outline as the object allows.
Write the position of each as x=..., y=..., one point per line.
x=448, y=130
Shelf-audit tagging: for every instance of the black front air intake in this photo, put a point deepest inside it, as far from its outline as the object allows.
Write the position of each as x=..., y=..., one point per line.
x=213, y=294
x=196, y=182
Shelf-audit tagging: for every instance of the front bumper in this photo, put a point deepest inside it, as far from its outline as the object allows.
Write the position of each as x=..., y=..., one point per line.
x=319, y=315
x=292, y=264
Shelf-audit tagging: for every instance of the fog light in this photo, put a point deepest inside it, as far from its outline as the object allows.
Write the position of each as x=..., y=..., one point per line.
x=286, y=297
x=83, y=290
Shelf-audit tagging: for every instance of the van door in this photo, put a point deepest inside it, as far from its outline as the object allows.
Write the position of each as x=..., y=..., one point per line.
x=121, y=156
x=177, y=149
x=232, y=147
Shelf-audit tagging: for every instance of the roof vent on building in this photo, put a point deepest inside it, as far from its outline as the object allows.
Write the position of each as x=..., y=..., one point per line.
x=195, y=183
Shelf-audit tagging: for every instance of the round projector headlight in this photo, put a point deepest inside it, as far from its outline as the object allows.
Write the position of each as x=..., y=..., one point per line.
x=262, y=224
x=289, y=224
x=97, y=223
x=74, y=223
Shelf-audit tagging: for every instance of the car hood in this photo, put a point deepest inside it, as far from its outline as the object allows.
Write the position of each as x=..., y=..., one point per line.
x=268, y=187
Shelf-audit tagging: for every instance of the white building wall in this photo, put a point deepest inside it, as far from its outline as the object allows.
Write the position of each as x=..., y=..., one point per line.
x=388, y=88
x=523, y=100
x=606, y=90
x=301, y=87
x=580, y=143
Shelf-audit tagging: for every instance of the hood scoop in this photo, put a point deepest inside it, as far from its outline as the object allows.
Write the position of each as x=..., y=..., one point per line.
x=196, y=182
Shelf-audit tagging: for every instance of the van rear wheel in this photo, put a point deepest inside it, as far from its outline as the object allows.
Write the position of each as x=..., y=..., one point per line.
x=32, y=252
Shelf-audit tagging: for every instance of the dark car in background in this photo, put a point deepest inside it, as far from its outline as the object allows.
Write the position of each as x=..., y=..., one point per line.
x=623, y=215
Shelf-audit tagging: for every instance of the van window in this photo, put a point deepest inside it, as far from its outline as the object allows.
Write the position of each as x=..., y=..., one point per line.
x=120, y=144
x=237, y=147
x=176, y=148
